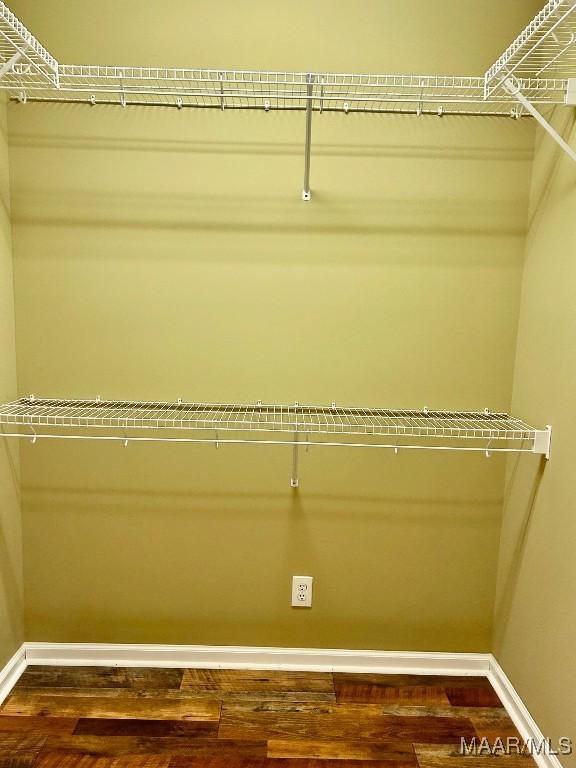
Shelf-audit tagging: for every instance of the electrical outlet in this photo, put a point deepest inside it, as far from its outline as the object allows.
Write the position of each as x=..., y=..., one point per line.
x=302, y=591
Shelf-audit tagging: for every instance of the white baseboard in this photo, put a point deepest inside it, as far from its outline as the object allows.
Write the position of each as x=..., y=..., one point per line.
x=519, y=714
x=312, y=659
x=11, y=672
x=244, y=657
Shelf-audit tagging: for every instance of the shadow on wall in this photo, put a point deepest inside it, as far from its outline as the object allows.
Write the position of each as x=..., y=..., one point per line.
x=223, y=216
x=546, y=182
x=520, y=497
x=396, y=176
x=407, y=150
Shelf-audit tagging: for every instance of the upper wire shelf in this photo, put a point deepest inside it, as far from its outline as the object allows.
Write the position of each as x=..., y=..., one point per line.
x=310, y=422
x=542, y=58
x=235, y=89
x=537, y=70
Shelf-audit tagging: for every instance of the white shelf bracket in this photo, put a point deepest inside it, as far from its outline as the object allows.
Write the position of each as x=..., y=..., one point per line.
x=9, y=65
x=513, y=88
x=306, y=195
x=542, y=441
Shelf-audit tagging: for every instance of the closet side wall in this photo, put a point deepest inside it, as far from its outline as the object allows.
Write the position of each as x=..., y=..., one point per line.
x=11, y=604
x=535, y=627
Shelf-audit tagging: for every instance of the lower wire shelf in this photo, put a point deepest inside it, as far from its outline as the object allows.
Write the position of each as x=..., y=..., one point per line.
x=263, y=424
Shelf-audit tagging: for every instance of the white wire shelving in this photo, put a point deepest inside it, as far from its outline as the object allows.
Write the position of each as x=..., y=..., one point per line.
x=19, y=48
x=542, y=58
x=263, y=424
x=546, y=48
x=269, y=91
x=537, y=70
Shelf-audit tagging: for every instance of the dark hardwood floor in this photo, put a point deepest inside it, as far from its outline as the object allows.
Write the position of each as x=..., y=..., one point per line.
x=100, y=717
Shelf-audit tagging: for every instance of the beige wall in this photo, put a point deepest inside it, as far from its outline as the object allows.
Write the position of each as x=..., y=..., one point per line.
x=168, y=254
x=163, y=255
x=11, y=610
x=535, y=631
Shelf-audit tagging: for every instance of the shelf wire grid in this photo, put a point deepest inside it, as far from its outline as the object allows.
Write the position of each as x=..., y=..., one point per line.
x=542, y=58
x=33, y=60
x=243, y=89
x=328, y=421
x=546, y=48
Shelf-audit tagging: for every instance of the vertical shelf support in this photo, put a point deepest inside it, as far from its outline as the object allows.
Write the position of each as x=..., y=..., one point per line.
x=294, y=481
x=309, y=94
x=514, y=90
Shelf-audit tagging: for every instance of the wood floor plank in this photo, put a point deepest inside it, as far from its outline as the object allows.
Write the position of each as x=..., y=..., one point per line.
x=23, y=704
x=38, y=725
x=398, y=753
x=71, y=677
x=395, y=681
x=414, y=689
x=117, y=746
x=13, y=742
x=473, y=696
x=240, y=762
x=146, y=728
x=235, y=683
x=417, y=695
x=19, y=749
x=494, y=726
x=433, y=710
x=18, y=761
x=59, y=760
x=99, y=677
x=279, y=720
x=112, y=693
x=446, y=756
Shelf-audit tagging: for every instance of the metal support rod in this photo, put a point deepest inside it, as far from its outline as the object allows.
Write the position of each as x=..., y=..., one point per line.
x=8, y=65
x=514, y=90
x=294, y=479
x=396, y=447
x=309, y=91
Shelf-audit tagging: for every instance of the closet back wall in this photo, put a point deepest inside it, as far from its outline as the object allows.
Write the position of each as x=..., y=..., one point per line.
x=162, y=254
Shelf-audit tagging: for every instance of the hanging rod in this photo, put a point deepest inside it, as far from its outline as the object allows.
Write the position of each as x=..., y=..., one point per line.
x=305, y=426
x=271, y=91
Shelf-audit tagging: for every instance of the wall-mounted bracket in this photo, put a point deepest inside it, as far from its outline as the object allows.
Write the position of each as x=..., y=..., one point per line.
x=542, y=441
x=306, y=195
x=9, y=65
x=513, y=88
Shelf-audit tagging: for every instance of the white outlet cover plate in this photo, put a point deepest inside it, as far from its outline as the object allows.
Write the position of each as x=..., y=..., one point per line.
x=302, y=591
